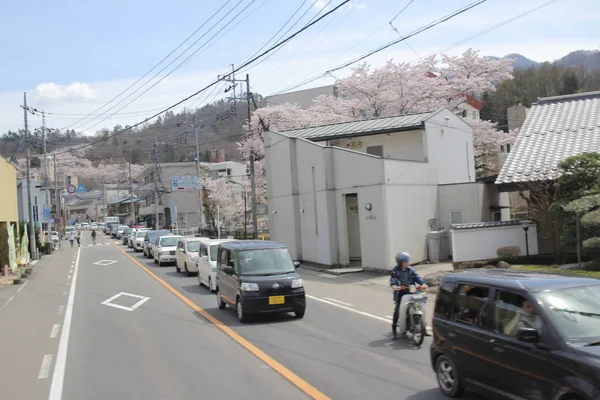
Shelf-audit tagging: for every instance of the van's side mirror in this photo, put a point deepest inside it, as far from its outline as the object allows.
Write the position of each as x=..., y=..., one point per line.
x=296, y=264
x=228, y=269
x=528, y=335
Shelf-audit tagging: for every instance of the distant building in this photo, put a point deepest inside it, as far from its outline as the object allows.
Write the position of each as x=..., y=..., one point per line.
x=303, y=98
x=516, y=116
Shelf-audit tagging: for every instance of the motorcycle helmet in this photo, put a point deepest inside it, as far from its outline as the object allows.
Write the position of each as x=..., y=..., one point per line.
x=402, y=257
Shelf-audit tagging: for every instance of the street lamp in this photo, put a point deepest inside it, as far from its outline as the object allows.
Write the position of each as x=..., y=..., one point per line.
x=526, y=228
x=245, y=208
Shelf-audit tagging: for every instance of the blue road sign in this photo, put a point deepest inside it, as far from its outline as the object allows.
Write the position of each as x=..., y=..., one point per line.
x=56, y=220
x=81, y=188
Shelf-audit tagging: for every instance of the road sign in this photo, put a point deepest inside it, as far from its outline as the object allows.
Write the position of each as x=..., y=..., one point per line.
x=46, y=213
x=56, y=220
x=81, y=188
x=71, y=189
x=35, y=213
x=186, y=183
x=173, y=212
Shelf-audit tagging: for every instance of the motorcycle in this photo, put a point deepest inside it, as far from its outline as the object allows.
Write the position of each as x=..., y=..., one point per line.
x=412, y=314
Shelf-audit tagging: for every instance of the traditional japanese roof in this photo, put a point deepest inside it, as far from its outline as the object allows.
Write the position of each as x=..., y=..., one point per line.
x=372, y=126
x=555, y=129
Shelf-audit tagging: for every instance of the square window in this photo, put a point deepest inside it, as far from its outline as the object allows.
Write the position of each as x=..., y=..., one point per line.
x=456, y=217
x=470, y=305
x=443, y=304
x=512, y=311
x=375, y=151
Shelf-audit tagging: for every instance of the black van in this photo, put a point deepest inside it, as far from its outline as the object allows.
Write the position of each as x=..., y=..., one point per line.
x=517, y=335
x=257, y=277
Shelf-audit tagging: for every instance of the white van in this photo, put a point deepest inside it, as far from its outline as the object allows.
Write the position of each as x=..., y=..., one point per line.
x=207, y=263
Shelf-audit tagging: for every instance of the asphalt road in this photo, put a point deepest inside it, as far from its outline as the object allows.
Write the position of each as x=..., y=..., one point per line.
x=169, y=340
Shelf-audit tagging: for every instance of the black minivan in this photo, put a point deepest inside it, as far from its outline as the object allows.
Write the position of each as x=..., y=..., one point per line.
x=517, y=335
x=258, y=277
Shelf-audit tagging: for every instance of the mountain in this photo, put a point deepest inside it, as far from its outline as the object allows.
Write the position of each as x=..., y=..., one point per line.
x=522, y=62
x=589, y=59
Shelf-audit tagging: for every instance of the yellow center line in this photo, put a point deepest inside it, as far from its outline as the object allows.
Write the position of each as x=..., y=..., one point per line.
x=300, y=383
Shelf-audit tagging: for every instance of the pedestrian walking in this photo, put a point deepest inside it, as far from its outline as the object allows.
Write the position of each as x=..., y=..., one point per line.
x=94, y=236
x=71, y=237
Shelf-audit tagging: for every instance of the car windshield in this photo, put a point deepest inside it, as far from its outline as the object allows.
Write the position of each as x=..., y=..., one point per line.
x=140, y=234
x=214, y=249
x=574, y=312
x=193, y=247
x=169, y=241
x=265, y=262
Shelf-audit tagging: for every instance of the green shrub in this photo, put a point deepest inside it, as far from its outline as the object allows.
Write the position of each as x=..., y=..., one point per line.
x=508, y=252
x=591, y=244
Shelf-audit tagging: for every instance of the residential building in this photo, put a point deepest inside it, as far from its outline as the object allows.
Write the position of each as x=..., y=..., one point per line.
x=554, y=129
x=9, y=209
x=122, y=208
x=362, y=191
x=516, y=116
x=187, y=201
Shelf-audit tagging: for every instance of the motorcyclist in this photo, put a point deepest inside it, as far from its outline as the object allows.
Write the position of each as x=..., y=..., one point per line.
x=402, y=275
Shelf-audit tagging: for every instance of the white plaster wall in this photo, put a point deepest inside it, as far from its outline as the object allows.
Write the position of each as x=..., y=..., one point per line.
x=482, y=243
x=409, y=209
x=450, y=148
x=400, y=145
x=354, y=169
x=463, y=197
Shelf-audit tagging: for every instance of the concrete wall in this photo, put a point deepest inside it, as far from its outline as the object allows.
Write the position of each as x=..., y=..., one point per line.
x=449, y=147
x=401, y=146
x=482, y=243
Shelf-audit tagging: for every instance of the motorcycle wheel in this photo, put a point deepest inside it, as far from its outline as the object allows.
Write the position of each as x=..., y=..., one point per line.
x=418, y=330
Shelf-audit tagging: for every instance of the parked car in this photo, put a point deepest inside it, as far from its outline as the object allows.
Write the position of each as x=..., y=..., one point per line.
x=124, y=236
x=150, y=238
x=120, y=230
x=207, y=262
x=138, y=243
x=164, y=248
x=515, y=334
x=186, y=255
x=94, y=226
x=85, y=226
x=133, y=236
x=69, y=229
x=258, y=277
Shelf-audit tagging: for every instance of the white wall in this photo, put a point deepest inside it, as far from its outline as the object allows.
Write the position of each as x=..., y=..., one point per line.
x=465, y=197
x=409, y=209
x=401, y=145
x=482, y=243
x=450, y=148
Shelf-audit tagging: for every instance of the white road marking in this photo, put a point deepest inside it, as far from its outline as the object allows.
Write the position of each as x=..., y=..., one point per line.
x=104, y=263
x=21, y=288
x=107, y=302
x=69, y=277
x=65, y=294
x=7, y=301
x=338, y=301
x=54, y=331
x=61, y=309
x=45, y=368
x=366, y=314
x=58, y=378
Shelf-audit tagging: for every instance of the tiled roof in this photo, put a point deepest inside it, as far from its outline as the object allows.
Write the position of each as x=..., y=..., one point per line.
x=485, y=224
x=555, y=129
x=366, y=127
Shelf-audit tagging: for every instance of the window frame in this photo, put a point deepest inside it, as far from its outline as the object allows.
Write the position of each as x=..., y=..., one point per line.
x=462, y=217
x=375, y=147
x=486, y=305
x=448, y=305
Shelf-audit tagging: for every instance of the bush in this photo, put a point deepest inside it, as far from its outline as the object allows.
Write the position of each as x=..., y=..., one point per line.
x=508, y=252
x=591, y=244
x=460, y=265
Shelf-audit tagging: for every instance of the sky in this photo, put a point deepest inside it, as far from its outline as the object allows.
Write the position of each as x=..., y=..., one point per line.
x=72, y=58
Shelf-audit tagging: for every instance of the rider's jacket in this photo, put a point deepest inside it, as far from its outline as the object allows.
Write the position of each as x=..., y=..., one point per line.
x=405, y=277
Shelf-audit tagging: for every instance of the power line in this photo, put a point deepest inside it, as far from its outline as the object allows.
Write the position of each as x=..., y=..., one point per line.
x=215, y=82
x=175, y=59
x=155, y=66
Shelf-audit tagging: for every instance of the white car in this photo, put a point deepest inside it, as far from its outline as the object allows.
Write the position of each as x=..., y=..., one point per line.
x=186, y=255
x=207, y=262
x=133, y=236
x=164, y=248
x=138, y=242
x=85, y=226
x=120, y=231
x=54, y=236
x=94, y=226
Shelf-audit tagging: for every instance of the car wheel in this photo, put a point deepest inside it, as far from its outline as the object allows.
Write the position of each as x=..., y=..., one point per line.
x=177, y=267
x=242, y=316
x=300, y=314
x=155, y=261
x=447, y=377
x=187, y=272
x=199, y=279
x=210, y=286
x=220, y=301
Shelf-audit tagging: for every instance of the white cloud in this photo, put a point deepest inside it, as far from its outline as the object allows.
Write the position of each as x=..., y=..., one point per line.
x=76, y=91
x=320, y=4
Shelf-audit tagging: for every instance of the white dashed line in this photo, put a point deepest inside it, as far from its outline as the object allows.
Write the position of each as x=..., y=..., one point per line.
x=45, y=368
x=338, y=301
x=61, y=309
x=54, y=331
x=21, y=288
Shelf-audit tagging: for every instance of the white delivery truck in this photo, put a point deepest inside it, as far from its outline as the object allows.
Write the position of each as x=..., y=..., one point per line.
x=108, y=220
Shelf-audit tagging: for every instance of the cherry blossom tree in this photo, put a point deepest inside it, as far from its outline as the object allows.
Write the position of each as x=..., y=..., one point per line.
x=224, y=208
x=393, y=89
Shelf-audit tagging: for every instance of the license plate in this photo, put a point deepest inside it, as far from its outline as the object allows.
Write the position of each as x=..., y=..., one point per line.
x=276, y=300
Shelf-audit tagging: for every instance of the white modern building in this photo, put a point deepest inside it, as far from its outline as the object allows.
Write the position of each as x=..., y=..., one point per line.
x=362, y=191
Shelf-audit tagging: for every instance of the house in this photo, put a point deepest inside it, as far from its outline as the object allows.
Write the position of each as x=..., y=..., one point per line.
x=38, y=198
x=9, y=209
x=122, y=208
x=303, y=98
x=554, y=129
x=362, y=191
x=188, y=198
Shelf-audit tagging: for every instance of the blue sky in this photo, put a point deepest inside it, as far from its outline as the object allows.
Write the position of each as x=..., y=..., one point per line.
x=73, y=56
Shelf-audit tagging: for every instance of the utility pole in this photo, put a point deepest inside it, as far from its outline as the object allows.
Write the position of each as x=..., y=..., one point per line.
x=32, y=243
x=249, y=100
x=252, y=177
x=131, y=189
x=103, y=197
x=46, y=180
x=200, y=196
x=156, y=183
x=57, y=198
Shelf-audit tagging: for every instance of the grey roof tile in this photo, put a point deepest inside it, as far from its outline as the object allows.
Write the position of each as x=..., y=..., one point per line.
x=555, y=129
x=369, y=126
x=490, y=224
